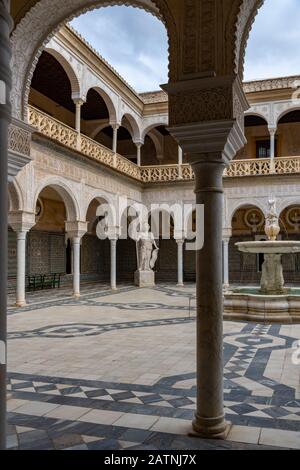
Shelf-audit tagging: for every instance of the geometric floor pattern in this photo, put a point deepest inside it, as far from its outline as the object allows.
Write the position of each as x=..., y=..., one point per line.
x=146, y=401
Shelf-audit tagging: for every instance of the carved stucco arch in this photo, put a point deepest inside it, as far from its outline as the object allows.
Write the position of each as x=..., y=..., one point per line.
x=257, y=114
x=238, y=33
x=74, y=80
x=133, y=128
x=15, y=196
x=158, y=142
x=162, y=122
x=101, y=197
x=285, y=203
x=110, y=104
x=237, y=205
x=46, y=17
x=160, y=212
x=279, y=114
x=62, y=187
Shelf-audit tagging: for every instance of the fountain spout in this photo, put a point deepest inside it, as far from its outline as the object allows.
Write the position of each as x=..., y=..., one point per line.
x=272, y=227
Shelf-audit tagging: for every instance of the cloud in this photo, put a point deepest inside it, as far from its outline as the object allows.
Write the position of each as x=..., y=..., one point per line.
x=273, y=48
x=133, y=41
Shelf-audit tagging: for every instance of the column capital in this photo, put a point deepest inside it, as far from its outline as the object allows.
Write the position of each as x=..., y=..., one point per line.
x=139, y=143
x=113, y=234
x=21, y=221
x=179, y=236
x=227, y=234
x=204, y=140
x=115, y=125
x=76, y=229
x=272, y=130
x=78, y=100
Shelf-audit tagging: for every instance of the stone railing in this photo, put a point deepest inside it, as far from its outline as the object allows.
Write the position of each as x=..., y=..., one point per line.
x=52, y=128
x=248, y=168
x=287, y=165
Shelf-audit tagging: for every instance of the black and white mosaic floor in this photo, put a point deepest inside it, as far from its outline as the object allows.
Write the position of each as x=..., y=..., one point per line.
x=117, y=371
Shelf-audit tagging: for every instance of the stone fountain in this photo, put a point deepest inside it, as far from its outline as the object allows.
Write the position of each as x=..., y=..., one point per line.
x=273, y=301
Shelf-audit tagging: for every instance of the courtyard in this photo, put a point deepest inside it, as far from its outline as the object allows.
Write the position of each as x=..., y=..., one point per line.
x=117, y=371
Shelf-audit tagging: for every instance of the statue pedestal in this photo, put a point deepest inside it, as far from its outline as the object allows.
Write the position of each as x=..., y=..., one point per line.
x=144, y=278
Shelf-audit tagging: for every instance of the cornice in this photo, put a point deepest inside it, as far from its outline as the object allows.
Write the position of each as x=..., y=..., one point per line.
x=277, y=83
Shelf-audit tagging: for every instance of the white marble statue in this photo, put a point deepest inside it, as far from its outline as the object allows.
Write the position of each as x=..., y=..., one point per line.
x=147, y=249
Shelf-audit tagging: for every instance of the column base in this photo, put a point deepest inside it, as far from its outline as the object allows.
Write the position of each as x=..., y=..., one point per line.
x=180, y=284
x=21, y=303
x=215, y=428
x=76, y=296
x=114, y=288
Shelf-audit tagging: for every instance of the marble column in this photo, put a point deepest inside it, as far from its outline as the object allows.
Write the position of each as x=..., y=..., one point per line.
x=210, y=146
x=226, y=262
x=180, y=244
x=210, y=419
x=272, y=149
x=21, y=268
x=5, y=117
x=113, y=264
x=115, y=128
x=139, y=154
x=180, y=156
x=76, y=266
x=180, y=161
x=78, y=104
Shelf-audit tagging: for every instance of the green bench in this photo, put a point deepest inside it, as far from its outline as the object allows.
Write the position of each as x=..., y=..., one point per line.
x=43, y=281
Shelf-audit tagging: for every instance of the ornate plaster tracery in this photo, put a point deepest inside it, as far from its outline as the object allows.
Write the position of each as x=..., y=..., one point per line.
x=247, y=13
x=46, y=17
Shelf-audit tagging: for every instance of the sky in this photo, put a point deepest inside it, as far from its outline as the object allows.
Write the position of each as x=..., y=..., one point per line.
x=135, y=43
x=273, y=47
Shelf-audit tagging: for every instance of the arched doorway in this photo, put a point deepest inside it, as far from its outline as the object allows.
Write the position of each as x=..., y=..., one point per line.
x=162, y=227
x=190, y=255
x=46, y=243
x=126, y=248
x=95, y=253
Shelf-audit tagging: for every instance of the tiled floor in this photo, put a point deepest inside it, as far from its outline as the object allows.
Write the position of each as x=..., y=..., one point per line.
x=117, y=371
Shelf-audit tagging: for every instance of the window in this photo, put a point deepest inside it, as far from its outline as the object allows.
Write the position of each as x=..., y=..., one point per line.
x=263, y=148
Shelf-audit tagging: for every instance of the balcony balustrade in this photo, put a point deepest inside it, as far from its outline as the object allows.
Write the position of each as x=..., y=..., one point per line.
x=65, y=135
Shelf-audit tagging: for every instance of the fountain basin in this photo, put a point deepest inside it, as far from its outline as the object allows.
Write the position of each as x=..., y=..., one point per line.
x=272, y=279
x=270, y=247
x=250, y=305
